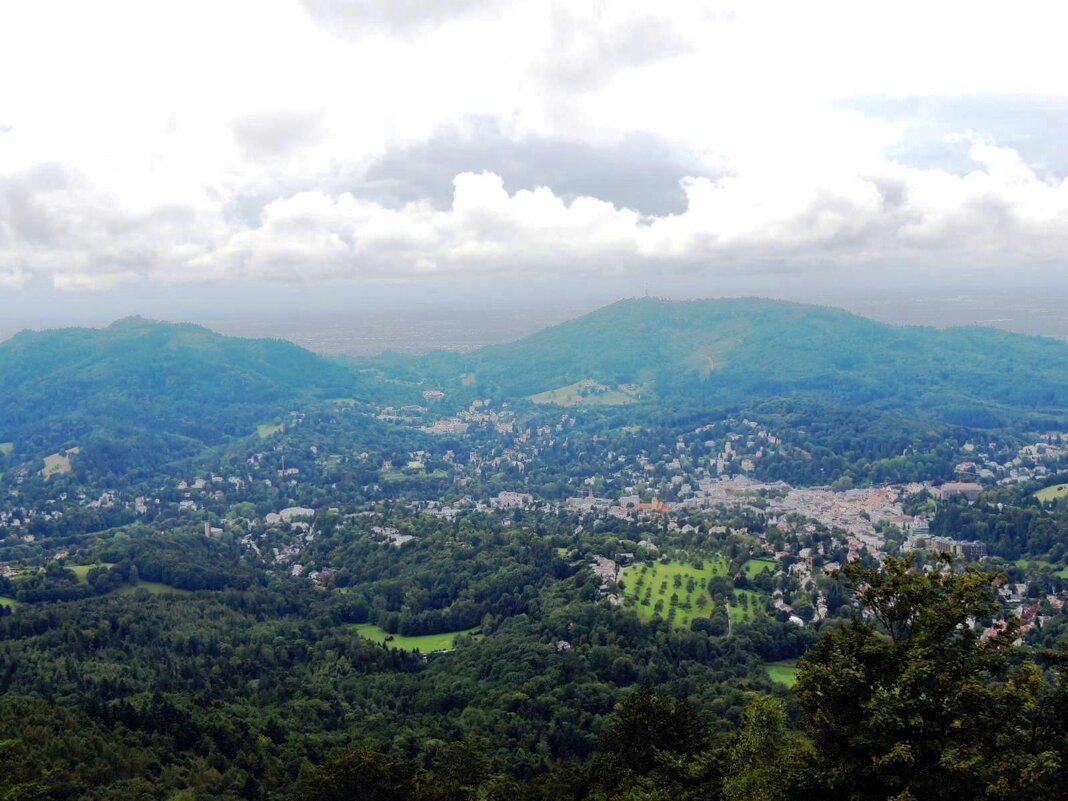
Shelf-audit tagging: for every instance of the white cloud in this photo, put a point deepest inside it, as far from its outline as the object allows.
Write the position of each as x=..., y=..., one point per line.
x=229, y=142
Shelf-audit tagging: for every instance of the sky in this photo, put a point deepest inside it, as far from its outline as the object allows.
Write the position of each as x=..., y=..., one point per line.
x=185, y=158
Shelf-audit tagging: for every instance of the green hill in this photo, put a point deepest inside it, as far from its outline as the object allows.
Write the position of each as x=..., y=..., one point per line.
x=158, y=389
x=739, y=352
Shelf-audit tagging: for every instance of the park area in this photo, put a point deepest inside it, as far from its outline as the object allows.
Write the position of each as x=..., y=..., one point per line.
x=652, y=588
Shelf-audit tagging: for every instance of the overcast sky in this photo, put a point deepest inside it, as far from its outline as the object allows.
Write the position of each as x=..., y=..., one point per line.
x=155, y=152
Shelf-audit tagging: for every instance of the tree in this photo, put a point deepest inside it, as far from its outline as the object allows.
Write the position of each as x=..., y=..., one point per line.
x=359, y=773
x=766, y=760
x=906, y=701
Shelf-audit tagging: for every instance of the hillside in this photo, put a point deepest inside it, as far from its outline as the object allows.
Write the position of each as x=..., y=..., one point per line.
x=738, y=352
x=168, y=389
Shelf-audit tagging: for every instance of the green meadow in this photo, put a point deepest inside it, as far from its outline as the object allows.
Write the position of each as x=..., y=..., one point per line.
x=651, y=588
x=784, y=672
x=82, y=571
x=754, y=567
x=426, y=643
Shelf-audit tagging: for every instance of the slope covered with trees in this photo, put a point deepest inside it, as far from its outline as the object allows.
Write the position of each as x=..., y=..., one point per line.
x=743, y=352
x=140, y=392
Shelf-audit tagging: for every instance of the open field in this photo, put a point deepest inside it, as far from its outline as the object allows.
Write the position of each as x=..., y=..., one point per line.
x=784, y=672
x=748, y=610
x=754, y=567
x=7, y=448
x=426, y=643
x=8, y=602
x=1054, y=493
x=58, y=463
x=82, y=571
x=648, y=588
x=267, y=430
x=584, y=393
x=1023, y=564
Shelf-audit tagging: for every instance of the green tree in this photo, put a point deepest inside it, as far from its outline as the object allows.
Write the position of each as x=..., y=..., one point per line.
x=906, y=701
x=766, y=761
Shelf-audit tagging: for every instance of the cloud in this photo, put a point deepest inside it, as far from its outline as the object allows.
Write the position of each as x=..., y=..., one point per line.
x=356, y=17
x=589, y=45
x=639, y=171
x=378, y=141
x=1000, y=213
x=272, y=134
x=1035, y=126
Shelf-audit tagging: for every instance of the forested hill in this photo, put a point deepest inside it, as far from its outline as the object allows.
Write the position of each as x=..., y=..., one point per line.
x=735, y=352
x=152, y=389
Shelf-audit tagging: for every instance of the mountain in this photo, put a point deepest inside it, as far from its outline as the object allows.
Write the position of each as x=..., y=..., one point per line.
x=738, y=352
x=152, y=390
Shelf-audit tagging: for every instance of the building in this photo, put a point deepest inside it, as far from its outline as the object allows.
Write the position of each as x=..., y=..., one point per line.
x=969, y=489
x=964, y=549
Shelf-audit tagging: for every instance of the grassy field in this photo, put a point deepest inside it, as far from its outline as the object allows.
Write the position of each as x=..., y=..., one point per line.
x=646, y=587
x=584, y=393
x=784, y=672
x=1054, y=493
x=754, y=567
x=9, y=602
x=57, y=463
x=82, y=571
x=426, y=643
x=7, y=448
x=751, y=610
x=1023, y=564
x=266, y=430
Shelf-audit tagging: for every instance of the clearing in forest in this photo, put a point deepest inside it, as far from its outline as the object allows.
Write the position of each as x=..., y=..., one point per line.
x=784, y=672
x=1054, y=493
x=584, y=393
x=267, y=430
x=426, y=643
x=58, y=463
x=7, y=448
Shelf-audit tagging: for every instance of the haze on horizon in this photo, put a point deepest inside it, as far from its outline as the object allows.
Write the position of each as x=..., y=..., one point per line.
x=312, y=168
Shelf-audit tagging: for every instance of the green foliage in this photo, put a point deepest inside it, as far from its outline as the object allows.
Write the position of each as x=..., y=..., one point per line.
x=909, y=703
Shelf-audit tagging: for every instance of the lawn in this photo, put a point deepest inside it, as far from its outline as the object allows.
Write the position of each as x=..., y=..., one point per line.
x=646, y=587
x=784, y=672
x=754, y=567
x=9, y=602
x=266, y=430
x=7, y=448
x=426, y=643
x=1054, y=493
x=584, y=393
